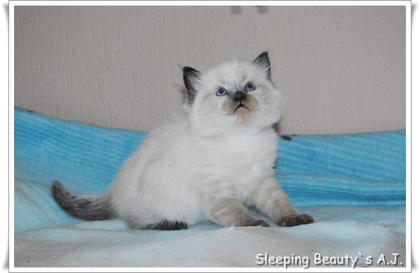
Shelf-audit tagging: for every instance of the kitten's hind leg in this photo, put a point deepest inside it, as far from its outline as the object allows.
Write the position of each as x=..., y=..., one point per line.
x=294, y=220
x=168, y=225
x=161, y=225
x=231, y=212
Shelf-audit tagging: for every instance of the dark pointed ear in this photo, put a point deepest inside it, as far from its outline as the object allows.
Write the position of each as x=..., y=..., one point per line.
x=264, y=61
x=191, y=80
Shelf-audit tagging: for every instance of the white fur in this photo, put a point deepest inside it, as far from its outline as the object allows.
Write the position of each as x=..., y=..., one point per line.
x=185, y=167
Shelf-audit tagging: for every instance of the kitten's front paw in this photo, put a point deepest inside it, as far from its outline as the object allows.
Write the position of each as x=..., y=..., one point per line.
x=295, y=220
x=255, y=223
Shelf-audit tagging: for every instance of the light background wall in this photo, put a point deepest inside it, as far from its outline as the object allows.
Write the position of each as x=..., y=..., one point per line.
x=341, y=69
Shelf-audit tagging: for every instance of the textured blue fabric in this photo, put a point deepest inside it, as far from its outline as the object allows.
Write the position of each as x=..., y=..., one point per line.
x=314, y=170
x=344, y=169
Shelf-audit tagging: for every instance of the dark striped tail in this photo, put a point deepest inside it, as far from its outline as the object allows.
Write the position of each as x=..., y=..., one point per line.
x=83, y=207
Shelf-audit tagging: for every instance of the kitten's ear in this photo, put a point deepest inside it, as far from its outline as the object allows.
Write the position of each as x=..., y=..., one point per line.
x=191, y=80
x=264, y=61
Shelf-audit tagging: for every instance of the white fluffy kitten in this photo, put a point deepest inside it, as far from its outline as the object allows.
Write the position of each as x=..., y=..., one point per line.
x=211, y=163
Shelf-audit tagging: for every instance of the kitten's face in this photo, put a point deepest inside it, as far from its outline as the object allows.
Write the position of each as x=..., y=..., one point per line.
x=233, y=94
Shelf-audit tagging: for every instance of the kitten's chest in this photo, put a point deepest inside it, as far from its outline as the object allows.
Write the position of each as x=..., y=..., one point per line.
x=241, y=155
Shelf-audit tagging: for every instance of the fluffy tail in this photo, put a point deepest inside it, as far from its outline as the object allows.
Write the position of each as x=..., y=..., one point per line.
x=83, y=207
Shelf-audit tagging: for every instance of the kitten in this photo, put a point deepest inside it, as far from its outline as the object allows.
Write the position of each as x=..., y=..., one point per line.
x=216, y=159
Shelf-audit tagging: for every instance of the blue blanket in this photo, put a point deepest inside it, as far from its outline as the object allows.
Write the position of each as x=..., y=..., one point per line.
x=355, y=169
x=353, y=185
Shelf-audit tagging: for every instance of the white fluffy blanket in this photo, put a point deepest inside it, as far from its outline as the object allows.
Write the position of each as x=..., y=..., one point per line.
x=339, y=230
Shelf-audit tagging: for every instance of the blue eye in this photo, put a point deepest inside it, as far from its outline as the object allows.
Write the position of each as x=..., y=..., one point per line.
x=221, y=92
x=249, y=86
